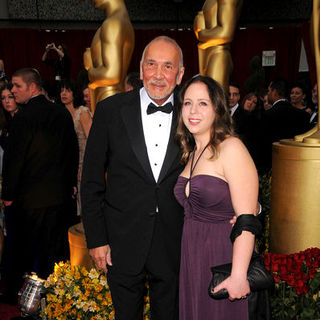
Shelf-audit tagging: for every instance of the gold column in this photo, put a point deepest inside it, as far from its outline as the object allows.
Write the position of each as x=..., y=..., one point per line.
x=79, y=253
x=295, y=208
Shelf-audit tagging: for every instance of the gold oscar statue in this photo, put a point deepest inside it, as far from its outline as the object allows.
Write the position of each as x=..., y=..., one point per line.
x=295, y=218
x=214, y=27
x=108, y=58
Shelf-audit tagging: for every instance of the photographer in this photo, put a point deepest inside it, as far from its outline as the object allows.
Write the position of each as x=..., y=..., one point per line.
x=61, y=63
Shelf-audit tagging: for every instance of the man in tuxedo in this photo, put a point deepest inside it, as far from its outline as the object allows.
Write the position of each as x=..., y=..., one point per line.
x=132, y=221
x=281, y=121
x=242, y=119
x=314, y=116
x=39, y=173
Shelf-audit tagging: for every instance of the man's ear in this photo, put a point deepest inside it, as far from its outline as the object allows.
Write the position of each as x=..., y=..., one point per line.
x=33, y=88
x=180, y=75
x=141, y=71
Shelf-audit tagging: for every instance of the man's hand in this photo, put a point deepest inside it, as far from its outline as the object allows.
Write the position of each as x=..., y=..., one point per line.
x=101, y=257
x=233, y=220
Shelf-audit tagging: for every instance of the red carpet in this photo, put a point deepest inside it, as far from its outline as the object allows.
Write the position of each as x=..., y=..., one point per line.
x=8, y=311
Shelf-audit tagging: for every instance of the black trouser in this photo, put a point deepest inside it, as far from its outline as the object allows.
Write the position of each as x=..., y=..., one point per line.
x=39, y=239
x=128, y=288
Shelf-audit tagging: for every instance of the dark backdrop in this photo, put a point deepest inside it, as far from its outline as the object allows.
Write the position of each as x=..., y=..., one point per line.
x=24, y=48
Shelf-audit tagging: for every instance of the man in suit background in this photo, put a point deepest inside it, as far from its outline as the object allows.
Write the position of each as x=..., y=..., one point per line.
x=281, y=121
x=39, y=173
x=132, y=221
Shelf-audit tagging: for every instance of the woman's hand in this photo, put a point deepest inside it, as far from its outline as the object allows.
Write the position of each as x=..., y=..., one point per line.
x=238, y=288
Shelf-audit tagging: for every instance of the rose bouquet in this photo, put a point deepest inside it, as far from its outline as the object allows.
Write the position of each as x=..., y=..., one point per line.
x=297, y=290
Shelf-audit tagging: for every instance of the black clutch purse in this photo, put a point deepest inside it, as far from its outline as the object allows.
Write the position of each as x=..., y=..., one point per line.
x=258, y=276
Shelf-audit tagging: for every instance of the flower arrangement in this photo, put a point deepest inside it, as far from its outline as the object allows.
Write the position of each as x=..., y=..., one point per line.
x=73, y=292
x=297, y=284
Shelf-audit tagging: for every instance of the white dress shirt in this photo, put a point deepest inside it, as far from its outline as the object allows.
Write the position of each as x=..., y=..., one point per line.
x=233, y=109
x=156, y=129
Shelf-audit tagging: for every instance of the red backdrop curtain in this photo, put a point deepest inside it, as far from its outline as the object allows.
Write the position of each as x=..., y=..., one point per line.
x=24, y=48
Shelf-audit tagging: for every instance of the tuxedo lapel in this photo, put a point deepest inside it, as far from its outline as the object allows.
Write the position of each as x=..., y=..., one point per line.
x=172, y=149
x=131, y=115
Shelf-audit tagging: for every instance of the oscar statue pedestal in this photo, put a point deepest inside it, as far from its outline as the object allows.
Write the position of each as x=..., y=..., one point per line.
x=295, y=218
x=79, y=253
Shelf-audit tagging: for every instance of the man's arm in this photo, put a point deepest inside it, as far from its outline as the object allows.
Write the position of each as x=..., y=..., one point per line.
x=14, y=157
x=93, y=182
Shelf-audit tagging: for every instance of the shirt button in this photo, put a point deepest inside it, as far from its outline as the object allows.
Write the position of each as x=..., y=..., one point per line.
x=155, y=164
x=159, y=125
x=156, y=144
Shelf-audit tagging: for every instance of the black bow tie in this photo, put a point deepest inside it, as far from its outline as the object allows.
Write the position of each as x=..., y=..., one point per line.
x=167, y=108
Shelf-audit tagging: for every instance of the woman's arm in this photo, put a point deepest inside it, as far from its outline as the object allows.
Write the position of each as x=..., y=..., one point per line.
x=86, y=122
x=241, y=175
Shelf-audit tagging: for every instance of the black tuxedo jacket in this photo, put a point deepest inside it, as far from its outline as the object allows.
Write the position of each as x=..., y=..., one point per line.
x=130, y=211
x=40, y=165
x=282, y=121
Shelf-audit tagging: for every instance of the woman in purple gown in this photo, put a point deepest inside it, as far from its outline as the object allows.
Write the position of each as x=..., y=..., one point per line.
x=218, y=182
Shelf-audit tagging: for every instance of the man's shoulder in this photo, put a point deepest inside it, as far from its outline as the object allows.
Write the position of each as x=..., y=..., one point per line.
x=119, y=100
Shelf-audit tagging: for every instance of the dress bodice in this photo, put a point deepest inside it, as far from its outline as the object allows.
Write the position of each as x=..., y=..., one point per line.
x=209, y=198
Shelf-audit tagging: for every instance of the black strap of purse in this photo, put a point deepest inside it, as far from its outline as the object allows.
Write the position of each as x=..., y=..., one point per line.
x=245, y=222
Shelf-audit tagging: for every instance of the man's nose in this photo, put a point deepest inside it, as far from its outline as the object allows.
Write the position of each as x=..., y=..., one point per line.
x=159, y=72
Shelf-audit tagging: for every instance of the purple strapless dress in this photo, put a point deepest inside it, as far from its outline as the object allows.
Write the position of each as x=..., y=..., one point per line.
x=205, y=243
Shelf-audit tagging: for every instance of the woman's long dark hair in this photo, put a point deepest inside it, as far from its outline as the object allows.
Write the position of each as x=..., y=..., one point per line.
x=5, y=116
x=71, y=85
x=221, y=126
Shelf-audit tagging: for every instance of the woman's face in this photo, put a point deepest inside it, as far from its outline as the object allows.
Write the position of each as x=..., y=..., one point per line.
x=66, y=96
x=8, y=101
x=198, y=111
x=297, y=96
x=250, y=103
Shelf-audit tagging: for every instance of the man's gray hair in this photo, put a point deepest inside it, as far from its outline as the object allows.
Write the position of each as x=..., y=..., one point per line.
x=166, y=39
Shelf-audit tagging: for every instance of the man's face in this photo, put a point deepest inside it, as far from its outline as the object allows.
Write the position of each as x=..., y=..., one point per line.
x=271, y=94
x=315, y=94
x=86, y=97
x=160, y=71
x=21, y=91
x=234, y=96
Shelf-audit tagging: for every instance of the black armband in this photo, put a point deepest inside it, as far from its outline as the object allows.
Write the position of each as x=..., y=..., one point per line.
x=245, y=222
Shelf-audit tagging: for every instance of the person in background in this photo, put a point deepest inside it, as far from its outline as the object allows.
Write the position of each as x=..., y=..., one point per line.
x=2, y=72
x=314, y=115
x=298, y=97
x=39, y=176
x=86, y=98
x=249, y=102
x=281, y=121
x=71, y=98
x=8, y=109
x=61, y=64
x=266, y=103
x=219, y=181
x=132, y=81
